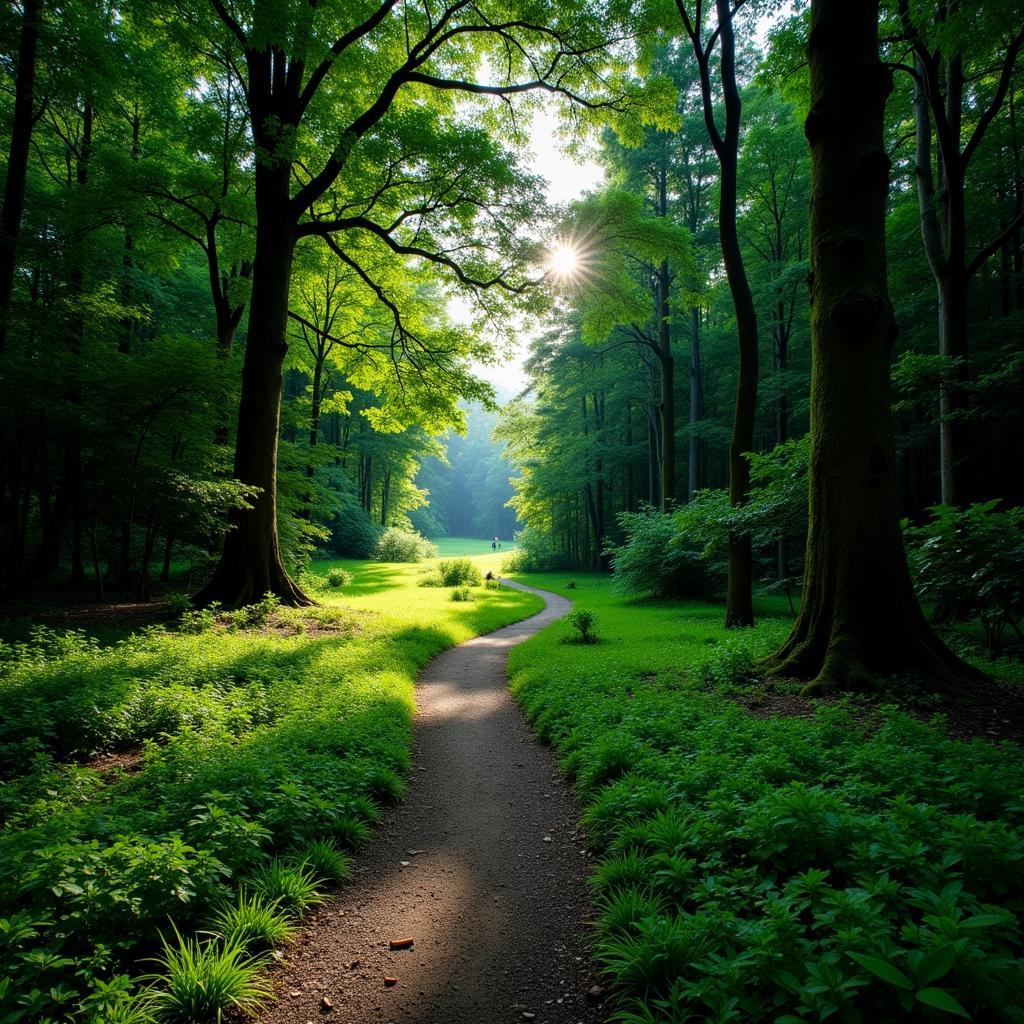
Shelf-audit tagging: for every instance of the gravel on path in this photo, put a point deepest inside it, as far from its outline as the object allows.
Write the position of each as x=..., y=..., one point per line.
x=482, y=865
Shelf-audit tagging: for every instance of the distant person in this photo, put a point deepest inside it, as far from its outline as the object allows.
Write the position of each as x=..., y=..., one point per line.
x=494, y=544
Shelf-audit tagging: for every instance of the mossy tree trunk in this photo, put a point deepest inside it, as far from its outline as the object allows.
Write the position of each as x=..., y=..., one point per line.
x=859, y=618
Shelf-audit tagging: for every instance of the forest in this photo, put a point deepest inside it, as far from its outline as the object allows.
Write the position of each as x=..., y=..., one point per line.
x=345, y=344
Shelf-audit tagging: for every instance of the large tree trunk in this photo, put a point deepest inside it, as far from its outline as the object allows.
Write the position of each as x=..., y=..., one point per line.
x=17, y=157
x=251, y=564
x=739, y=603
x=667, y=404
x=694, y=476
x=859, y=617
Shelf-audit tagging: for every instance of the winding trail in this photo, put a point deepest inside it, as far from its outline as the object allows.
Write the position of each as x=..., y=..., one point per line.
x=481, y=864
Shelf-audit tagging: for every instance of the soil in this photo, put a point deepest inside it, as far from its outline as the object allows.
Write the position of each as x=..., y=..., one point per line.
x=482, y=866
x=993, y=710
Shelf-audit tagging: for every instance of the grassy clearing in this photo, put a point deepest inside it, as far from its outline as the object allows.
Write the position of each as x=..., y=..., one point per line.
x=150, y=780
x=854, y=865
x=458, y=547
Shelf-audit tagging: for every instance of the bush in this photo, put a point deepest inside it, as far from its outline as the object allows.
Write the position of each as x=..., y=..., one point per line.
x=653, y=560
x=292, y=887
x=458, y=572
x=353, y=534
x=203, y=981
x=253, y=923
x=338, y=577
x=534, y=553
x=584, y=623
x=398, y=545
x=973, y=559
x=462, y=594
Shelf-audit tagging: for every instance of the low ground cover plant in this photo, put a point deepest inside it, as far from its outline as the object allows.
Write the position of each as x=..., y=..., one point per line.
x=209, y=781
x=854, y=865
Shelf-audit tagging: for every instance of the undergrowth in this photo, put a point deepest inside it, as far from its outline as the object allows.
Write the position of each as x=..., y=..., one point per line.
x=854, y=865
x=246, y=754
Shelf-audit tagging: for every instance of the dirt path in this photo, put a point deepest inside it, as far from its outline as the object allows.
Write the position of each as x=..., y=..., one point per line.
x=481, y=865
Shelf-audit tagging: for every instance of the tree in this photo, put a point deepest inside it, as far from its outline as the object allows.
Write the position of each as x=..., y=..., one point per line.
x=953, y=86
x=739, y=609
x=351, y=117
x=632, y=256
x=25, y=117
x=859, y=616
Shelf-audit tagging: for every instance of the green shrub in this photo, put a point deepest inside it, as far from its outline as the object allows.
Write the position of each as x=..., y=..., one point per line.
x=653, y=560
x=178, y=603
x=338, y=577
x=398, y=545
x=201, y=982
x=325, y=859
x=458, y=572
x=353, y=533
x=253, y=923
x=292, y=887
x=972, y=559
x=199, y=620
x=584, y=624
x=462, y=594
x=854, y=864
x=534, y=553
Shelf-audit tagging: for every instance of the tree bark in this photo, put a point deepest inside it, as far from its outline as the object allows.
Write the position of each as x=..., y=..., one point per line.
x=859, y=617
x=667, y=402
x=17, y=156
x=739, y=602
x=251, y=563
x=694, y=480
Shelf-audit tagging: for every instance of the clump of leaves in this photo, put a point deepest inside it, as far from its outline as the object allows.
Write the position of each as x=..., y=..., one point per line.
x=338, y=577
x=292, y=887
x=653, y=561
x=254, y=923
x=973, y=559
x=584, y=624
x=462, y=594
x=202, y=980
x=397, y=545
x=326, y=860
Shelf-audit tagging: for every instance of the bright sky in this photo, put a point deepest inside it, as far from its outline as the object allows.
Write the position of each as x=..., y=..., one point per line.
x=568, y=179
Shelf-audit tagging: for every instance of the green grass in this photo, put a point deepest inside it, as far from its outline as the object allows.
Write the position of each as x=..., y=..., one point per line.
x=239, y=743
x=458, y=547
x=854, y=865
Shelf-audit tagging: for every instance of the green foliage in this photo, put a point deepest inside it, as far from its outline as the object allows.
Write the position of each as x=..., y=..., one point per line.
x=338, y=577
x=462, y=594
x=293, y=888
x=353, y=533
x=973, y=558
x=326, y=860
x=455, y=572
x=534, y=553
x=398, y=545
x=852, y=864
x=202, y=981
x=237, y=743
x=253, y=923
x=584, y=623
x=653, y=560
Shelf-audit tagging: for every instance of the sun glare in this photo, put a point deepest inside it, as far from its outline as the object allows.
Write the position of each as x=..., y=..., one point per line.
x=564, y=260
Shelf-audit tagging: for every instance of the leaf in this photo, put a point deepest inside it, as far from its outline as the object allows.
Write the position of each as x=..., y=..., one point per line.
x=882, y=969
x=942, y=1000
x=934, y=964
